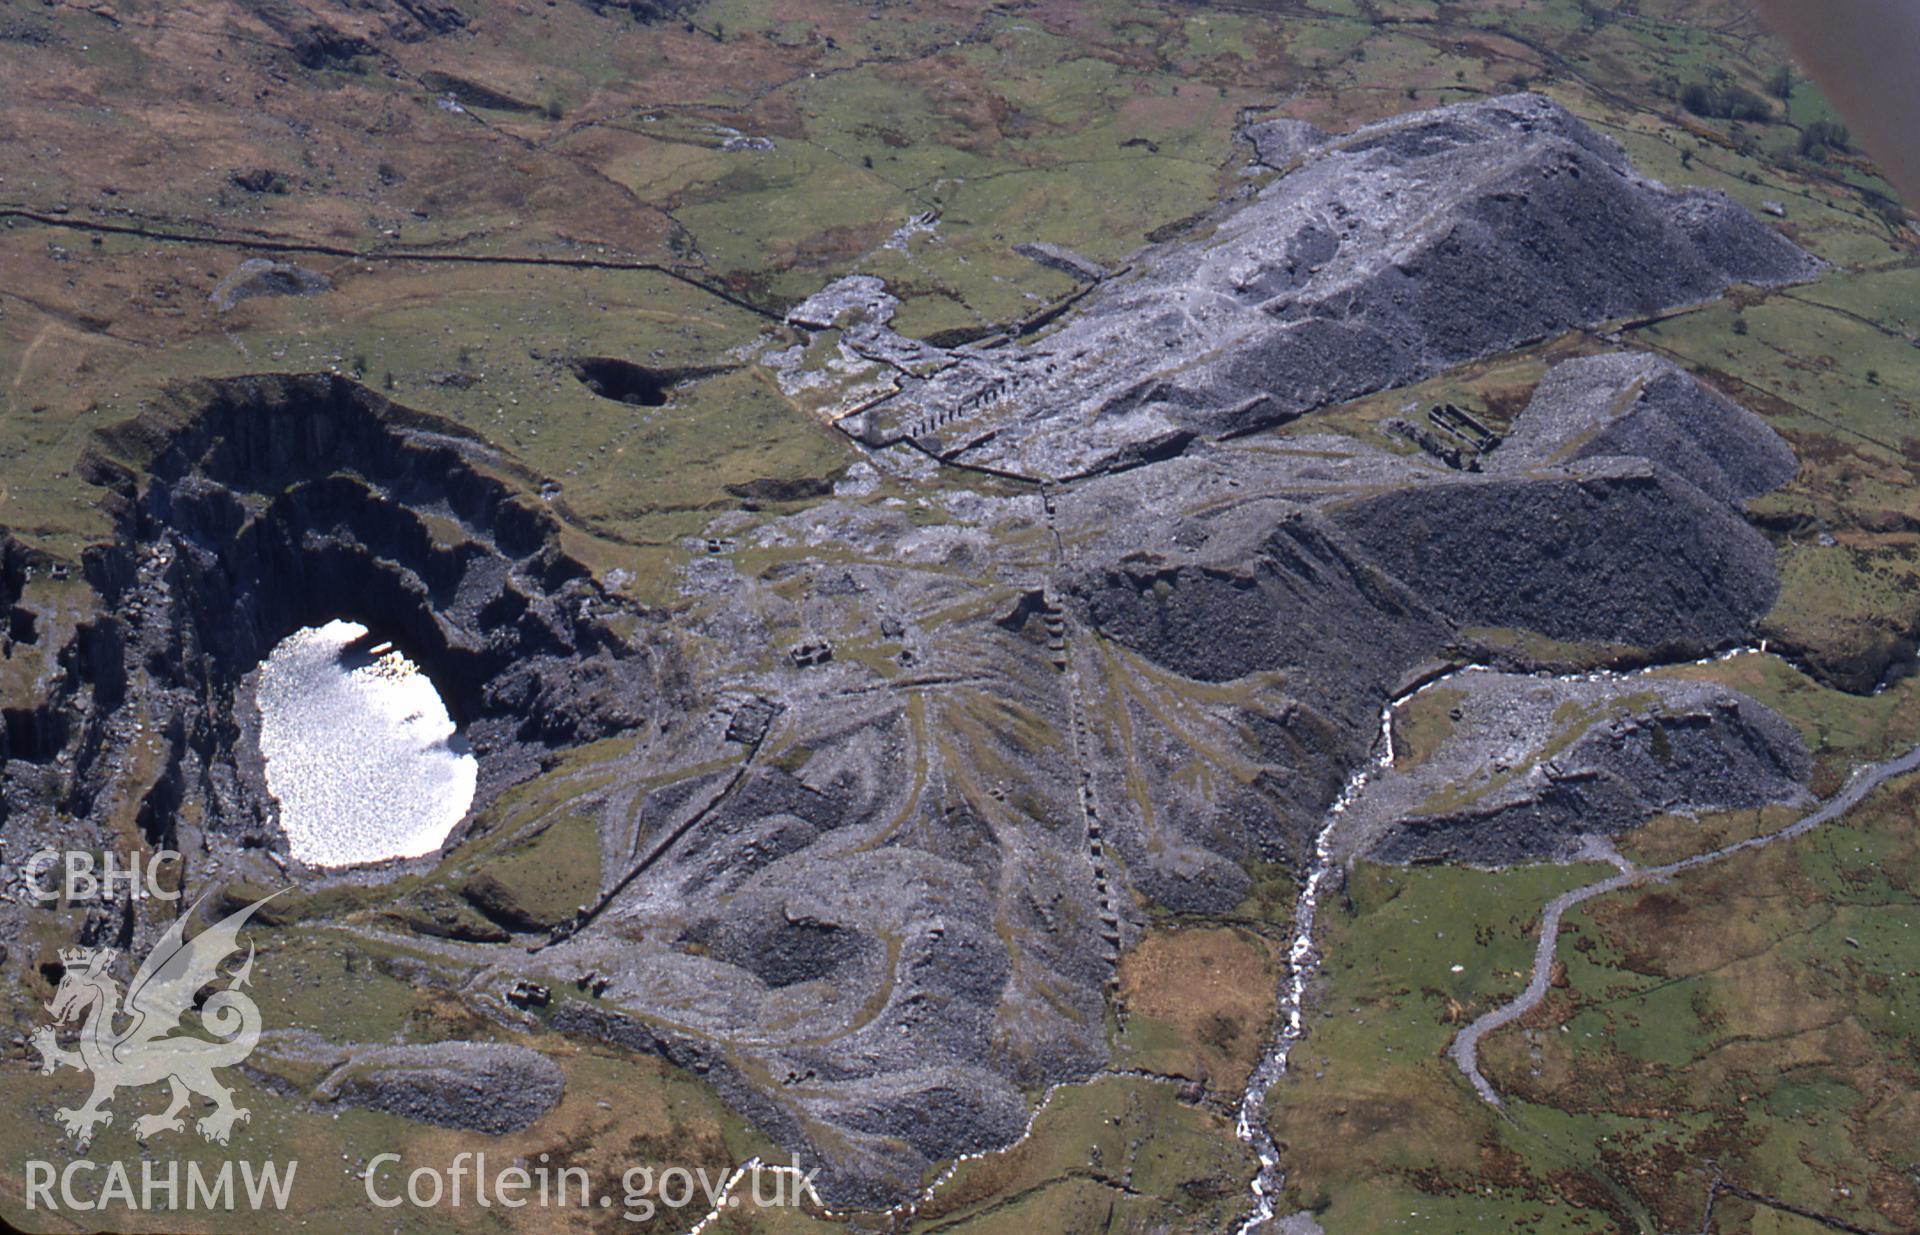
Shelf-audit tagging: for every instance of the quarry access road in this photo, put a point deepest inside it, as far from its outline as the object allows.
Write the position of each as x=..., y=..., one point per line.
x=1465, y=1050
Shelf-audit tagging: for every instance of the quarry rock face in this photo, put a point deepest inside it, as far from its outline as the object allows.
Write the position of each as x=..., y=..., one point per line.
x=899, y=776
x=1383, y=257
x=245, y=510
x=1277, y=143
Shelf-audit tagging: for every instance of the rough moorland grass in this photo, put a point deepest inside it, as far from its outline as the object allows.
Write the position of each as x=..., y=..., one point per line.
x=1199, y=1004
x=1733, y=994
x=1187, y=1172
x=1369, y=1102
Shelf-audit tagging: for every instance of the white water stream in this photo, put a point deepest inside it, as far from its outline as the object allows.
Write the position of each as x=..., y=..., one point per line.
x=1303, y=955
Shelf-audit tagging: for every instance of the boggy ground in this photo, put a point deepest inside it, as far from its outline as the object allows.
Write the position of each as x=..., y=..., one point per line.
x=1189, y=827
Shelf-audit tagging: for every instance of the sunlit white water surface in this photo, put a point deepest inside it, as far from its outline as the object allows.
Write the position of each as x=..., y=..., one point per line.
x=360, y=751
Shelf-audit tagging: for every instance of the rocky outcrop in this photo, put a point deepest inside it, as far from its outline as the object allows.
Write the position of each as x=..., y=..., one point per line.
x=416, y=19
x=1385, y=256
x=1065, y=260
x=470, y=93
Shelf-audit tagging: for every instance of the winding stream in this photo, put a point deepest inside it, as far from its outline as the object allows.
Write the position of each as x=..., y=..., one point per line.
x=1303, y=963
x=1303, y=955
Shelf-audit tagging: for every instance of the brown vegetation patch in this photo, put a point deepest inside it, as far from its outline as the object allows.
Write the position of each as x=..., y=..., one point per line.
x=1215, y=988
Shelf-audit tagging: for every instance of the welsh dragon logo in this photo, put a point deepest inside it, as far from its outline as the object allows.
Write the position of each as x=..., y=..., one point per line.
x=148, y=1050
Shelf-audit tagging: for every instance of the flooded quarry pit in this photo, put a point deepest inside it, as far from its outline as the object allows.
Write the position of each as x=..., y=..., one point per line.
x=360, y=752
x=333, y=628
